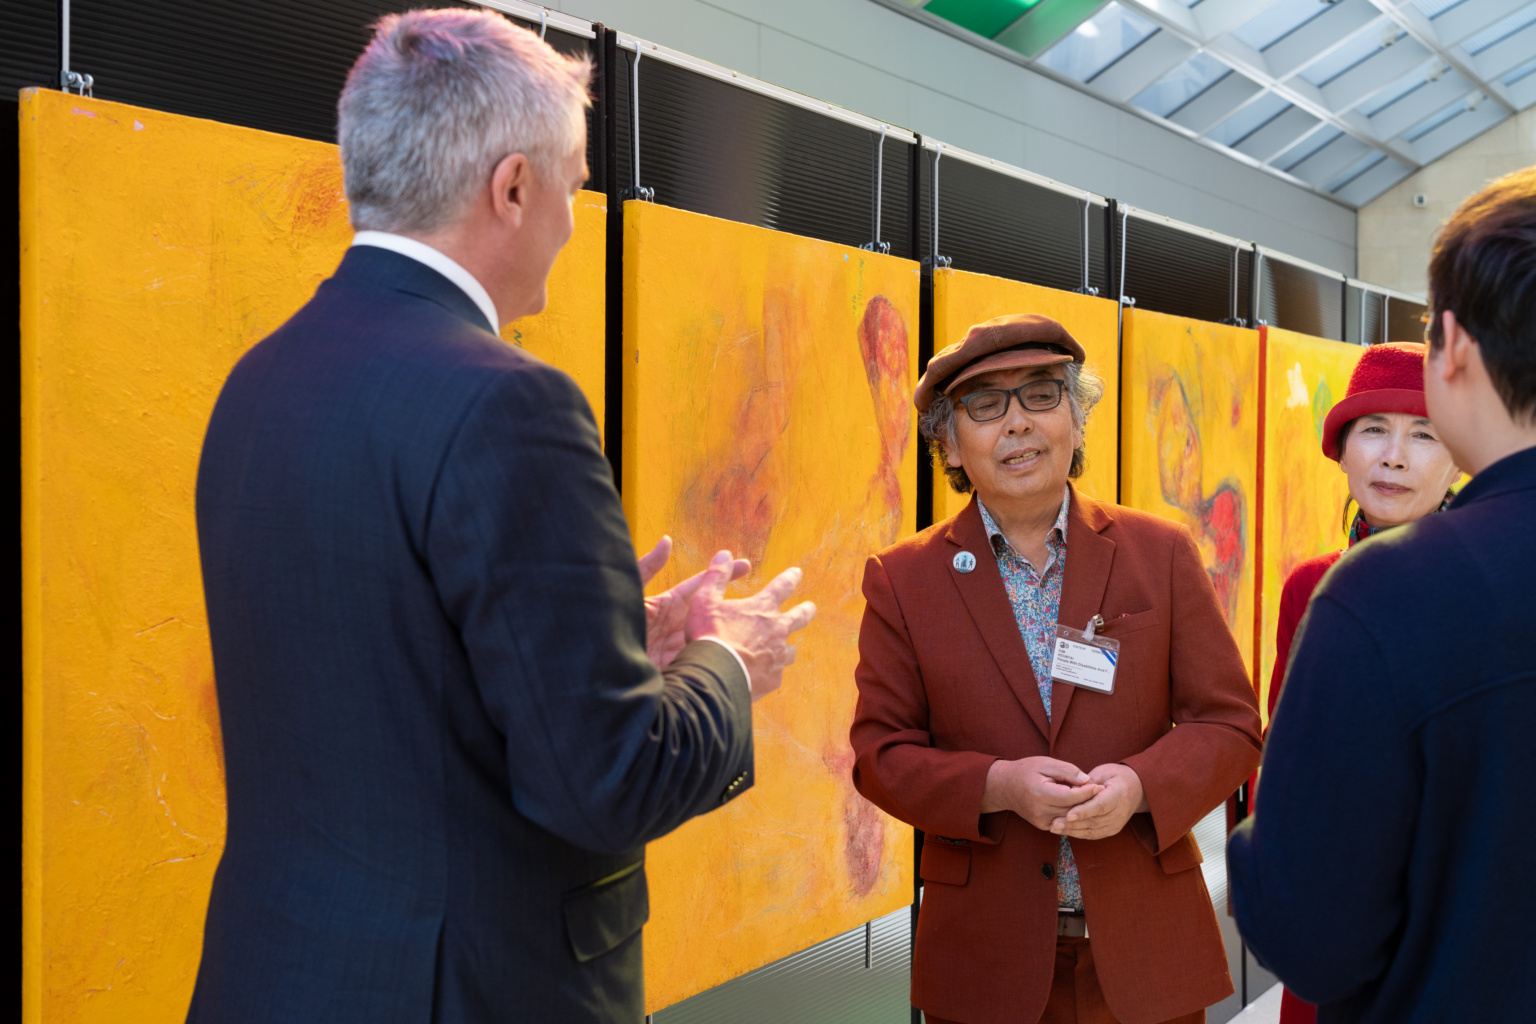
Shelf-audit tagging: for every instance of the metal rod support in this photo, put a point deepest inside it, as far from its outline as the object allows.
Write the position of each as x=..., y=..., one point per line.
x=877, y=245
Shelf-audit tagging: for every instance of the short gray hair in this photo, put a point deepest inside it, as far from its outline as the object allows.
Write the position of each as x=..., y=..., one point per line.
x=437, y=100
x=1083, y=391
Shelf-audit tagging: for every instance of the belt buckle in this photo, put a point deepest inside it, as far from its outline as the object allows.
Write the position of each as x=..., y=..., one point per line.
x=1071, y=924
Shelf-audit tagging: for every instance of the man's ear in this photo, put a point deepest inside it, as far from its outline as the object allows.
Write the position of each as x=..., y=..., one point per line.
x=951, y=457
x=1455, y=350
x=510, y=182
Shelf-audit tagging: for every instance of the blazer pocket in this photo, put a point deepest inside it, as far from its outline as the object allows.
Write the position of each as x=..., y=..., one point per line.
x=600, y=916
x=1115, y=628
x=945, y=860
x=1181, y=856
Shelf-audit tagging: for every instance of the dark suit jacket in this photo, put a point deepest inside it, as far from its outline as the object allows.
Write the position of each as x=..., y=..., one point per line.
x=945, y=689
x=445, y=745
x=1386, y=872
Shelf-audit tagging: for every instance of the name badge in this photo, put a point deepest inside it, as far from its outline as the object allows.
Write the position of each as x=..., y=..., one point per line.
x=1083, y=659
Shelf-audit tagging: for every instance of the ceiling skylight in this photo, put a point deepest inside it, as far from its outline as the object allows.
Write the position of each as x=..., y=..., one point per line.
x=1098, y=42
x=1180, y=85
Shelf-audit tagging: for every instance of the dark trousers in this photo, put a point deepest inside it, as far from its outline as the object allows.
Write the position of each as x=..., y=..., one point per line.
x=1075, y=994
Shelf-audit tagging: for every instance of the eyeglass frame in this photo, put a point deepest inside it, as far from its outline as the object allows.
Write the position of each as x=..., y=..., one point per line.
x=1011, y=394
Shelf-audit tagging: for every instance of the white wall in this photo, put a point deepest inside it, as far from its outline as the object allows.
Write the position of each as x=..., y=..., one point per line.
x=1396, y=237
x=872, y=59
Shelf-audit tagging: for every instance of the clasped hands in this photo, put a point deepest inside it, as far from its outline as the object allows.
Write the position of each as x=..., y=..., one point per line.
x=697, y=608
x=1059, y=797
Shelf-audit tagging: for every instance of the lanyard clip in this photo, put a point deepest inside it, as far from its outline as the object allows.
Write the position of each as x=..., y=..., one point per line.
x=1093, y=624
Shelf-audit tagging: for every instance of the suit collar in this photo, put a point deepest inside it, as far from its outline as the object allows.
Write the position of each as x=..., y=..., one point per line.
x=1089, y=556
x=372, y=267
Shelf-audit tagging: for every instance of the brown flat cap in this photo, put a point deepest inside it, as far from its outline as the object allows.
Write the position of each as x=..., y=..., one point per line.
x=1002, y=343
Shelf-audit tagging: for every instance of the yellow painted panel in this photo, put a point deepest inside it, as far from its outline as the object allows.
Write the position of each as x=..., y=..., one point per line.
x=570, y=333
x=1189, y=444
x=1304, y=490
x=767, y=393
x=961, y=299
x=155, y=250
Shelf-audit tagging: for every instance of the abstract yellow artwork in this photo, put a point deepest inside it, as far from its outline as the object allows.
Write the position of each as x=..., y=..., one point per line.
x=139, y=289
x=767, y=409
x=1189, y=444
x=961, y=299
x=1304, y=490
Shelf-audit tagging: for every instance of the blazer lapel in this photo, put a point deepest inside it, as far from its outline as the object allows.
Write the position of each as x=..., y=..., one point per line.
x=987, y=600
x=1089, y=556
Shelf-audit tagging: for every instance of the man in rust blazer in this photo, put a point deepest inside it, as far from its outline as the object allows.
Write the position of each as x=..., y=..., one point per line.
x=1059, y=869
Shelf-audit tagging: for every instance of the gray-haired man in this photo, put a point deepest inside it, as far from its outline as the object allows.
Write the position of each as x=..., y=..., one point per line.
x=445, y=742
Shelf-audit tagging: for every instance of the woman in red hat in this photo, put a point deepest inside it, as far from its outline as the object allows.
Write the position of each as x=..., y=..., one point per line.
x=1398, y=470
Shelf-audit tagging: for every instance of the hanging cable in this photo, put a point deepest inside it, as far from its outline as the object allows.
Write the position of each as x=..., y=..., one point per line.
x=877, y=245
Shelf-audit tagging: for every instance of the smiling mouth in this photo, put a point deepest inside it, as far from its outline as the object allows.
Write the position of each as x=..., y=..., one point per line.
x=1023, y=458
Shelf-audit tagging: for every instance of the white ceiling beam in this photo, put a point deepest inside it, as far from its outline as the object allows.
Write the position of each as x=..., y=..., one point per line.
x=1458, y=130
x=1256, y=66
x=1471, y=17
x=1040, y=27
x=1419, y=104
x=1374, y=74
x=1145, y=64
x=1375, y=181
x=1278, y=135
x=1320, y=167
x=1412, y=21
x=1507, y=53
x=1218, y=17
x=1523, y=93
x=1212, y=106
x=1320, y=36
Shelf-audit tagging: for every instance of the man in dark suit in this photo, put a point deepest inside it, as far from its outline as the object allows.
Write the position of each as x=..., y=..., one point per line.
x=1385, y=875
x=445, y=743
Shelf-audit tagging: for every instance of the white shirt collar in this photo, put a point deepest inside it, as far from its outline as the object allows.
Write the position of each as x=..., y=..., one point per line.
x=421, y=252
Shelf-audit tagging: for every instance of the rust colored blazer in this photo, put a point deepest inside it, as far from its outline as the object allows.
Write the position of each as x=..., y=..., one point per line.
x=945, y=689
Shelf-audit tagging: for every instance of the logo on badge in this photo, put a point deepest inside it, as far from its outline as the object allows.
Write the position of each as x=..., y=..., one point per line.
x=965, y=561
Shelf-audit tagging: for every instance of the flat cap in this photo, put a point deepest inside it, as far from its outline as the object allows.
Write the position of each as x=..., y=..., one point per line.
x=1002, y=343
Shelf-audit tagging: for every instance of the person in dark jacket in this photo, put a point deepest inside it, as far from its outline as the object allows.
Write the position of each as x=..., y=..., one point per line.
x=446, y=746
x=1384, y=874
x=1380, y=435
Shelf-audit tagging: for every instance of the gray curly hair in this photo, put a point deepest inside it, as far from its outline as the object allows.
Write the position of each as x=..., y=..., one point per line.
x=1083, y=391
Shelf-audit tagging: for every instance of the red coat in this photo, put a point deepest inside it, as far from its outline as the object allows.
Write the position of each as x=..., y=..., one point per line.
x=1294, y=598
x=945, y=689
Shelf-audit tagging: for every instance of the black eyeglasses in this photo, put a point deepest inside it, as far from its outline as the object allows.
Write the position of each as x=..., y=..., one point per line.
x=1035, y=396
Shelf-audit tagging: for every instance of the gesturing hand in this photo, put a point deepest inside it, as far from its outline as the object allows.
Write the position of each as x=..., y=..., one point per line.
x=1038, y=789
x=1106, y=814
x=754, y=626
x=666, y=612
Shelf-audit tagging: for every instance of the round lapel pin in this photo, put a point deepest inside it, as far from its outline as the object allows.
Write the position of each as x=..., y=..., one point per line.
x=965, y=561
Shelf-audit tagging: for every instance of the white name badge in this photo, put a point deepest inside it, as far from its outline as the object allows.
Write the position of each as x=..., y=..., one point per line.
x=1082, y=659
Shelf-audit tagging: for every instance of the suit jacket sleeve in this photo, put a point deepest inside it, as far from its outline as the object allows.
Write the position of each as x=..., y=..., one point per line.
x=531, y=556
x=1197, y=765
x=897, y=767
x=1319, y=871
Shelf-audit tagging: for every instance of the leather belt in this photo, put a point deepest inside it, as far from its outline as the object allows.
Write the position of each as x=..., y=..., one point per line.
x=1071, y=924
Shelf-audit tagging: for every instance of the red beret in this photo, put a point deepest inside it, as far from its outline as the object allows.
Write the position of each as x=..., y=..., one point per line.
x=1002, y=343
x=1388, y=378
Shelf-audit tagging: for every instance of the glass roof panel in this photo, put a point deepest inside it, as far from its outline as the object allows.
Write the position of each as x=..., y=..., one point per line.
x=984, y=17
x=1476, y=44
x=1180, y=85
x=1306, y=147
x=1355, y=169
x=1399, y=88
x=1359, y=47
x=1248, y=119
x=1523, y=71
x=1098, y=42
x=1429, y=124
x=1435, y=8
x=1277, y=20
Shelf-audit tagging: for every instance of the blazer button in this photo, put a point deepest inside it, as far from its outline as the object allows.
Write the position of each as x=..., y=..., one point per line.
x=1048, y=870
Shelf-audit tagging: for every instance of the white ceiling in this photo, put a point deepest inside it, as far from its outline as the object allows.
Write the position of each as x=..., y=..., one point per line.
x=1346, y=97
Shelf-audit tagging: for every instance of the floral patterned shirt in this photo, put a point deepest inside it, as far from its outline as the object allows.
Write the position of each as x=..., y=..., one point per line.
x=1036, y=599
